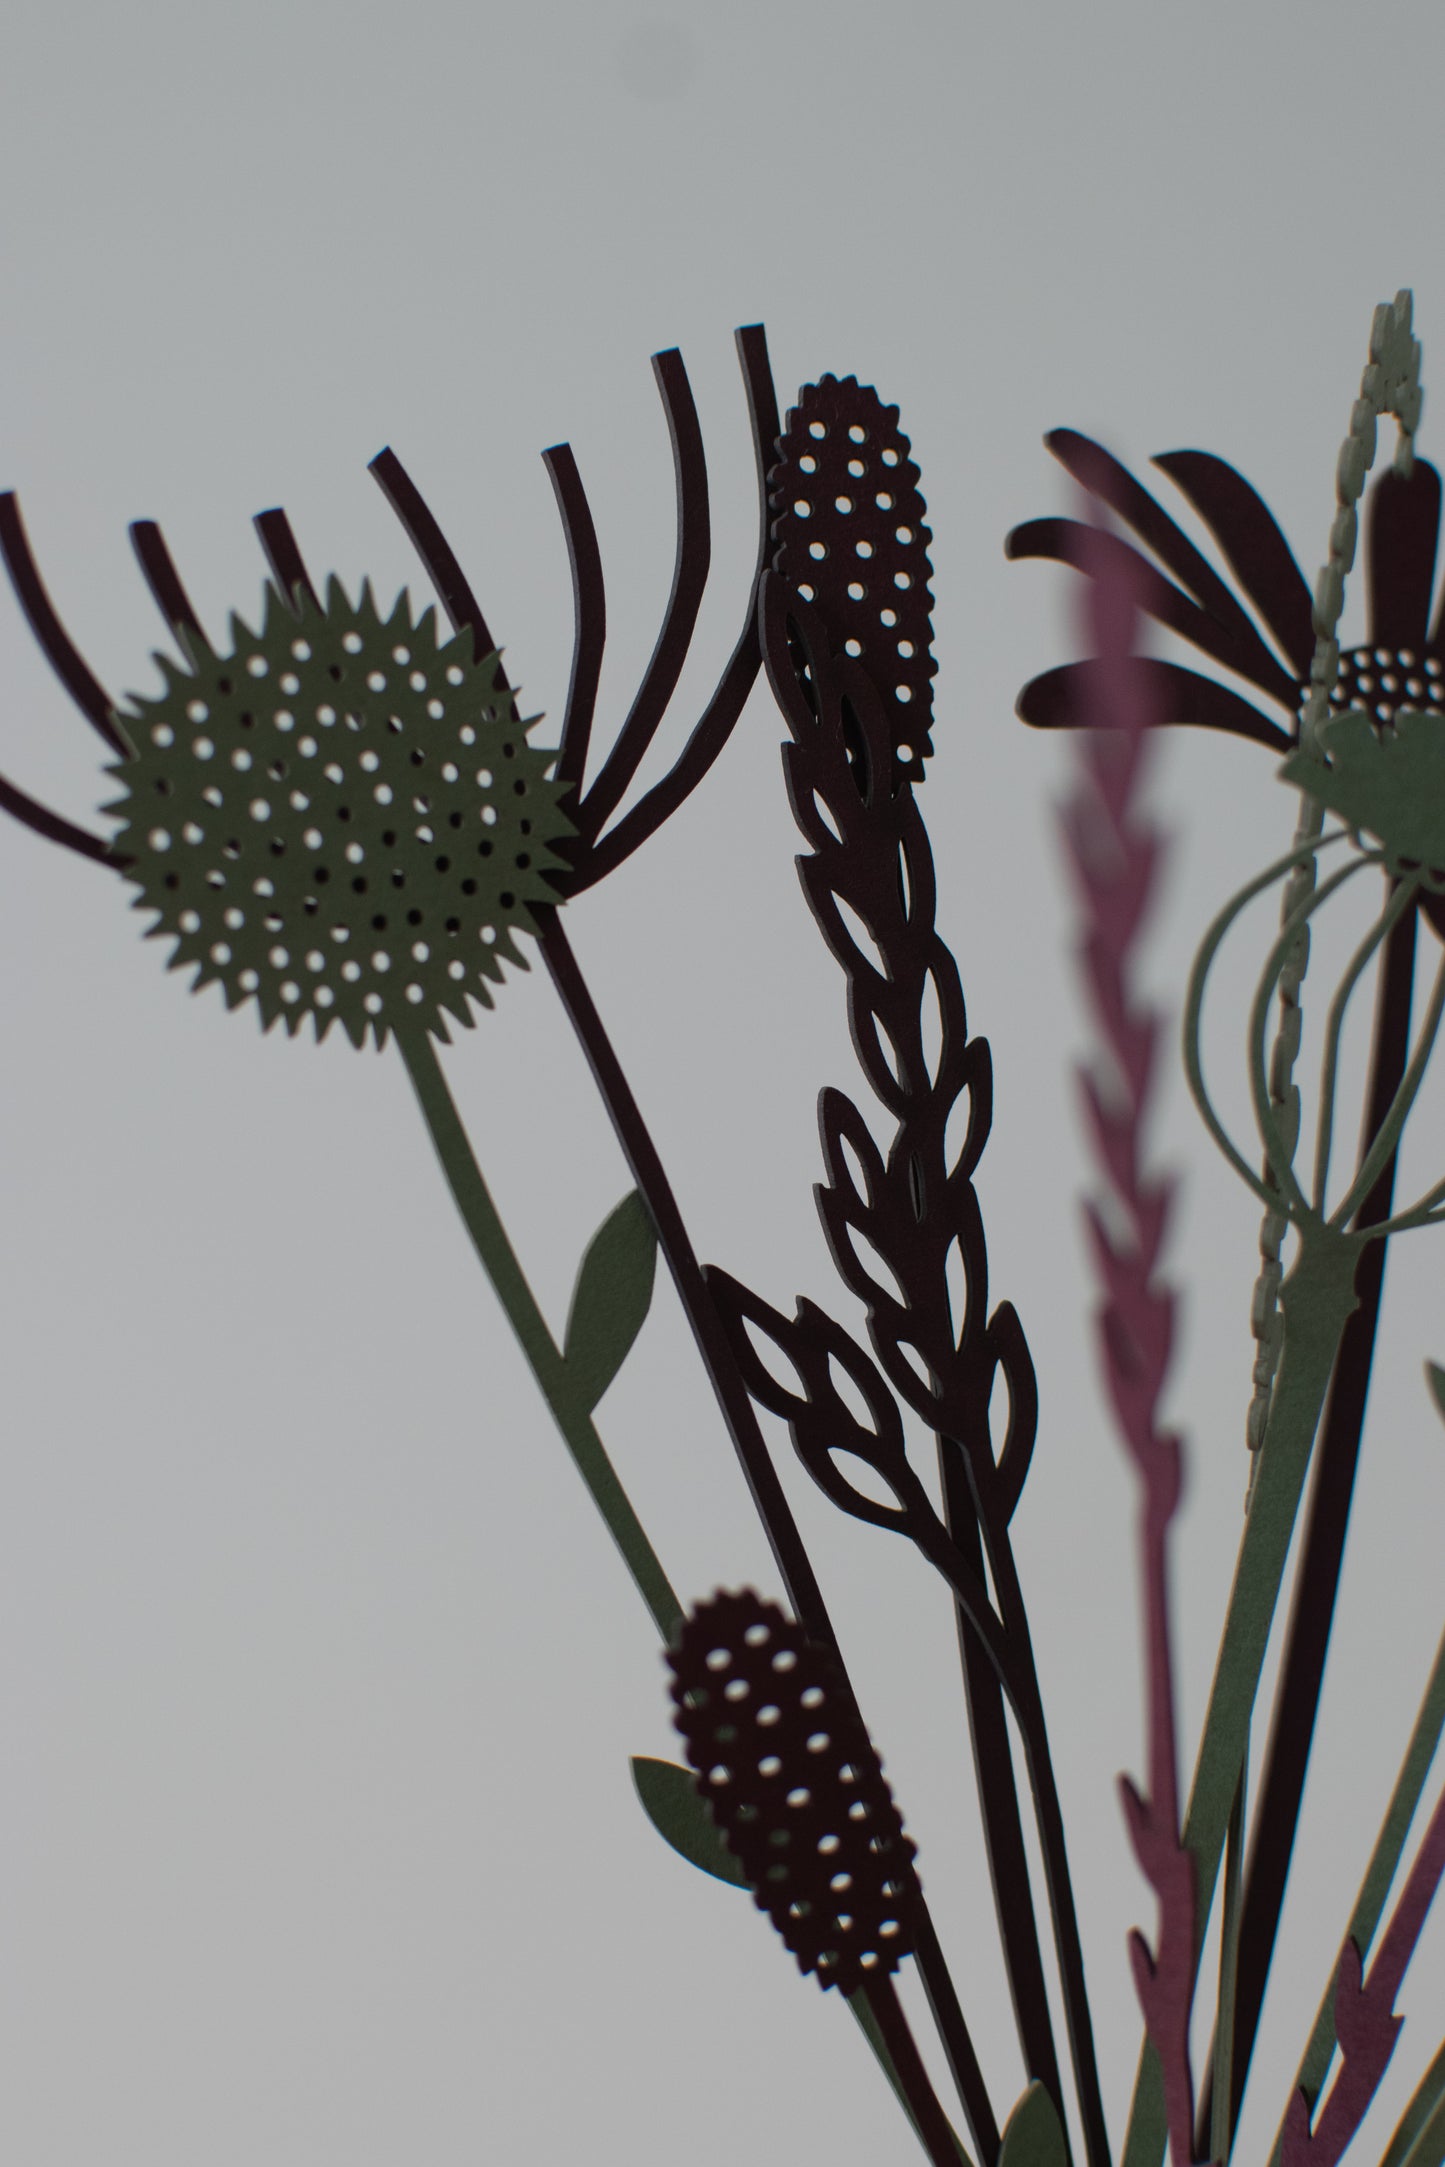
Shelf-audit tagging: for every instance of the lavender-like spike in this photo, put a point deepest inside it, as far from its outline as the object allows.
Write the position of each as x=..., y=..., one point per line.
x=1366, y=2025
x=1116, y=855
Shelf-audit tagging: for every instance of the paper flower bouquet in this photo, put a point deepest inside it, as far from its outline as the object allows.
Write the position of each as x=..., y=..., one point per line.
x=334, y=813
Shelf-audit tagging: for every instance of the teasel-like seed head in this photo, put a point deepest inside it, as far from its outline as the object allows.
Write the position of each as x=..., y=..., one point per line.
x=341, y=817
x=849, y=534
x=794, y=1786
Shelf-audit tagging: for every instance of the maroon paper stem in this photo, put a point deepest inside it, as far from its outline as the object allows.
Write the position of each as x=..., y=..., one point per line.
x=1366, y=2025
x=1115, y=856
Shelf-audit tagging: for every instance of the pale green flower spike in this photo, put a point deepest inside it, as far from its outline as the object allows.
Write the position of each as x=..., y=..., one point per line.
x=1390, y=384
x=1389, y=783
x=340, y=818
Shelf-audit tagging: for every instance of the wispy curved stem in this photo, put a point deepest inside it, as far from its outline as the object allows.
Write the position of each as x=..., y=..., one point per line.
x=1194, y=1004
x=1279, y=1152
x=164, y=581
x=55, y=643
x=1401, y=899
x=53, y=826
x=1382, y=1149
x=689, y=578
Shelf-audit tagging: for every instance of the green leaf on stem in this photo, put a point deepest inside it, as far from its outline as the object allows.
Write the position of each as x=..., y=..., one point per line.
x=1033, y=2135
x=1435, y=1378
x=611, y=1298
x=670, y=1801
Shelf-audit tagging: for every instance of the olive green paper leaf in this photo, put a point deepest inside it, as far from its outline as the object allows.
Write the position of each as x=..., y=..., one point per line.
x=1032, y=2135
x=670, y=1801
x=1435, y=1376
x=611, y=1298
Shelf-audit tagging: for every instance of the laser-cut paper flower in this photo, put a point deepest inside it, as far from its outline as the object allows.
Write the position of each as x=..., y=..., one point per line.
x=340, y=818
x=1389, y=782
x=1401, y=663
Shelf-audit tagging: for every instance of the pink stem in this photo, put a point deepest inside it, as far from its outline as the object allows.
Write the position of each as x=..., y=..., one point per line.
x=1366, y=2025
x=1115, y=855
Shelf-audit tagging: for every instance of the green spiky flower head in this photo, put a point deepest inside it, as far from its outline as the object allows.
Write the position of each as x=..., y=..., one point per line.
x=340, y=818
x=1389, y=782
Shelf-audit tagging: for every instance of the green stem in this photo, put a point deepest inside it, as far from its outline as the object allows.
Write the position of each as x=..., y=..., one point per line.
x=1279, y=1153
x=499, y=1261
x=1318, y=1299
x=1384, y=1860
x=1419, y=2139
x=1221, y=2136
x=1194, y=1008
x=1388, y=1134
x=1401, y=899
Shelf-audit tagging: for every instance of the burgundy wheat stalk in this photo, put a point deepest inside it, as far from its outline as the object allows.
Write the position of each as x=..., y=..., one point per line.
x=1366, y=2025
x=1116, y=855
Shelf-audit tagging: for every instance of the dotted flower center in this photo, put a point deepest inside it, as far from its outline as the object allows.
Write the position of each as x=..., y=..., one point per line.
x=1379, y=681
x=341, y=818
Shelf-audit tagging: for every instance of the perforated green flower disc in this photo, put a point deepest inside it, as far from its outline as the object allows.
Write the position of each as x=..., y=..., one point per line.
x=1390, y=782
x=341, y=818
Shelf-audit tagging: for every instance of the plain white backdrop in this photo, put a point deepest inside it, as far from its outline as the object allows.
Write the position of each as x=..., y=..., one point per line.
x=319, y=1680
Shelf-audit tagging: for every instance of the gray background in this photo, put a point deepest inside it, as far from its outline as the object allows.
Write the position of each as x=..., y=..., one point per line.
x=319, y=1680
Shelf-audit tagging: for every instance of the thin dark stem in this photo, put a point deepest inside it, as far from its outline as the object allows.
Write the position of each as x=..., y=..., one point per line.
x=59, y=649
x=689, y=578
x=164, y=581
x=1312, y=1615
x=928, y=2117
x=431, y=545
x=53, y=826
x=283, y=554
x=589, y=605
x=707, y=1326
x=999, y=1805
x=774, y=1511
x=1049, y=1813
x=721, y=714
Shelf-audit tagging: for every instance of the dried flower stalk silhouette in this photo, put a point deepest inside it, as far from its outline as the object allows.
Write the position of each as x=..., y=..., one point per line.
x=403, y=695
x=1115, y=855
x=891, y=1224
x=1401, y=664
x=795, y=1789
x=384, y=885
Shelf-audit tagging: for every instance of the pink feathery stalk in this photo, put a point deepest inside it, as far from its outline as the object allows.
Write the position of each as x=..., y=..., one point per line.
x=1366, y=2025
x=1116, y=854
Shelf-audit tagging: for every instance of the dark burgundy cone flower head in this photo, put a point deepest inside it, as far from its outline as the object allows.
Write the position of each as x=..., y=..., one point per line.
x=1400, y=665
x=1402, y=662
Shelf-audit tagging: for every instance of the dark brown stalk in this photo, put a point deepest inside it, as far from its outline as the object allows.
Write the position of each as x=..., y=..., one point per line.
x=284, y=557
x=715, y=1346
x=589, y=608
x=53, y=826
x=689, y=577
x=709, y=1333
x=870, y=868
x=715, y=726
x=59, y=649
x=164, y=581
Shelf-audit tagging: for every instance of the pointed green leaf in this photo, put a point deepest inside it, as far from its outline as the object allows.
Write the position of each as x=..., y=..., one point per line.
x=1435, y=1377
x=670, y=1801
x=611, y=1298
x=1032, y=2135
